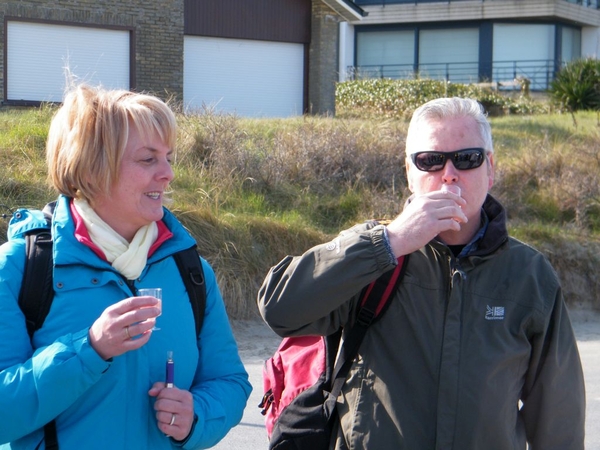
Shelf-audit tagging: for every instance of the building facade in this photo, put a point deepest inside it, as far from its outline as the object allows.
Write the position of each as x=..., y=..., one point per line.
x=248, y=57
x=469, y=40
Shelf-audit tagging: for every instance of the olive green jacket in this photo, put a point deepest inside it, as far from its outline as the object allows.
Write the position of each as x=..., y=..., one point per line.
x=474, y=352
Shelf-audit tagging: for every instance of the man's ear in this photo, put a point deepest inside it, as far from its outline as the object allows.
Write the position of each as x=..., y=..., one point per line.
x=491, y=170
x=408, y=177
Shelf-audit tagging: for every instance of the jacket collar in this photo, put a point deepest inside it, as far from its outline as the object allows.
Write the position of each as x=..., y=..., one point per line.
x=496, y=233
x=67, y=249
x=491, y=235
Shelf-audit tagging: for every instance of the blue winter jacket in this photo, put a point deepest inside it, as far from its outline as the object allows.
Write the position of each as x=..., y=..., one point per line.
x=101, y=404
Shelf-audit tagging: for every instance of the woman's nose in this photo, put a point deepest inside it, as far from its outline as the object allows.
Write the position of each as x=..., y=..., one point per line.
x=166, y=171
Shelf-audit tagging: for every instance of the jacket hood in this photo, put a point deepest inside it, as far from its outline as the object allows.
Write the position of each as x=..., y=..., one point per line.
x=24, y=220
x=496, y=234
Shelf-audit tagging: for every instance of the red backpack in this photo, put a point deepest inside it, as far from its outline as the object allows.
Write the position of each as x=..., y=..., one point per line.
x=302, y=380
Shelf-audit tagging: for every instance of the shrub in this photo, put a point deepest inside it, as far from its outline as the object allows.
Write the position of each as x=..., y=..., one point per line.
x=577, y=85
x=291, y=165
x=387, y=98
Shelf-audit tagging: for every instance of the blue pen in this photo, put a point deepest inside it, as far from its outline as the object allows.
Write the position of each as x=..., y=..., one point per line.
x=170, y=378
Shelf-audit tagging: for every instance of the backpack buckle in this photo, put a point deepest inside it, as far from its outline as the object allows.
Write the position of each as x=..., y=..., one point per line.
x=365, y=317
x=266, y=402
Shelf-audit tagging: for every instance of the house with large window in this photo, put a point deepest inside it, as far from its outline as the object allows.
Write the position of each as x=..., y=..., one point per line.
x=264, y=58
x=468, y=41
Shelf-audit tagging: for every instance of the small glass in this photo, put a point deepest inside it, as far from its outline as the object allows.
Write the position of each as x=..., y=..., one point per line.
x=451, y=188
x=156, y=293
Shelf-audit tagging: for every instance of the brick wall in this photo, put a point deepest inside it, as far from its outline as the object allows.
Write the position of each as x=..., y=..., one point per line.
x=158, y=34
x=323, y=59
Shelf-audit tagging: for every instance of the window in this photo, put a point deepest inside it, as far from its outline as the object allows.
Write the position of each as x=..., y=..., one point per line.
x=451, y=54
x=534, y=61
x=571, y=44
x=387, y=54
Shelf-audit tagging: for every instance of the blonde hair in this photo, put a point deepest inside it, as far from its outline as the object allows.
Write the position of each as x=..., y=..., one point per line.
x=89, y=133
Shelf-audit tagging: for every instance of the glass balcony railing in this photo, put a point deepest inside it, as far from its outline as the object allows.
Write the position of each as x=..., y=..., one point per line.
x=540, y=73
x=455, y=72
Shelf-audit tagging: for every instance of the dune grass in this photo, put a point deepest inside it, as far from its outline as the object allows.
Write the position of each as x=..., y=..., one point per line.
x=252, y=191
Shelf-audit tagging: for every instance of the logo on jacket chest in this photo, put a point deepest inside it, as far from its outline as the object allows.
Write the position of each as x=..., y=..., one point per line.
x=494, y=312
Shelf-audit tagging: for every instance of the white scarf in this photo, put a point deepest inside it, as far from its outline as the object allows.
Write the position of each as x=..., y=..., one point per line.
x=128, y=258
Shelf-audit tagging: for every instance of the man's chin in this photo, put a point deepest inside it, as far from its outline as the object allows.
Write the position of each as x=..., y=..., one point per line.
x=452, y=237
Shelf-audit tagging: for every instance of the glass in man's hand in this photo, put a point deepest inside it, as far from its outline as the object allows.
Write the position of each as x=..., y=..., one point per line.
x=451, y=188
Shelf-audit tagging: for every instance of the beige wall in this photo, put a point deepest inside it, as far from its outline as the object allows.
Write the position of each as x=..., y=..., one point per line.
x=481, y=10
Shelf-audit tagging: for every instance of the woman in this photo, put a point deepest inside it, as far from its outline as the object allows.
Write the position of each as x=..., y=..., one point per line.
x=97, y=366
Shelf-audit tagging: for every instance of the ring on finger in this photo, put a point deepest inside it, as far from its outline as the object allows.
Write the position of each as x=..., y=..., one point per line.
x=127, y=332
x=172, y=422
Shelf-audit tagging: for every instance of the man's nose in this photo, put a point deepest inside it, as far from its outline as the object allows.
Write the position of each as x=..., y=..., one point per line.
x=449, y=173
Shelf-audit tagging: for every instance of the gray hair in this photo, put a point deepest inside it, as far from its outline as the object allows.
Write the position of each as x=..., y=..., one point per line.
x=447, y=108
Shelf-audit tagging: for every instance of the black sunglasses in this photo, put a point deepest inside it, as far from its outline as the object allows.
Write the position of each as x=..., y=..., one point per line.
x=466, y=159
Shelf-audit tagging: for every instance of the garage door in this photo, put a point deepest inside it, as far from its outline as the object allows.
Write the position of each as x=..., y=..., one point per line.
x=247, y=78
x=38, y=54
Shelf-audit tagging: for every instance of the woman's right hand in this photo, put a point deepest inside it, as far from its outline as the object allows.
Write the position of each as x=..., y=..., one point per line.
x=111, y=334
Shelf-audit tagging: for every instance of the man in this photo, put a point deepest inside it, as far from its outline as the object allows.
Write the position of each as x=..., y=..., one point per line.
x=476, y=350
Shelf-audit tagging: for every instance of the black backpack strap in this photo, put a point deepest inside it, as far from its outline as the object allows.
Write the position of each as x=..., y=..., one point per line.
x=36, y=294
x=374, y=303
x=50, y=437
x=190, y=267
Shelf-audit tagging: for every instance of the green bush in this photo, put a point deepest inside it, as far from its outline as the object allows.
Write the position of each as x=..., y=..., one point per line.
x=577, y=86
x=387, y=98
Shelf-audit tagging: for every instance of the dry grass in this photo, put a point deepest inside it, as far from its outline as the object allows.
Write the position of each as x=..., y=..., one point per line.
x=252, y=191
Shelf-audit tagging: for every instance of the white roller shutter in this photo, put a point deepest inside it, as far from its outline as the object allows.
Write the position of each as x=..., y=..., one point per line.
x=389, y=54
x=385, y=47
x=524, y=51
x=509, y=42
x=38, y=54
x=247, y=78
x=451, y=54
